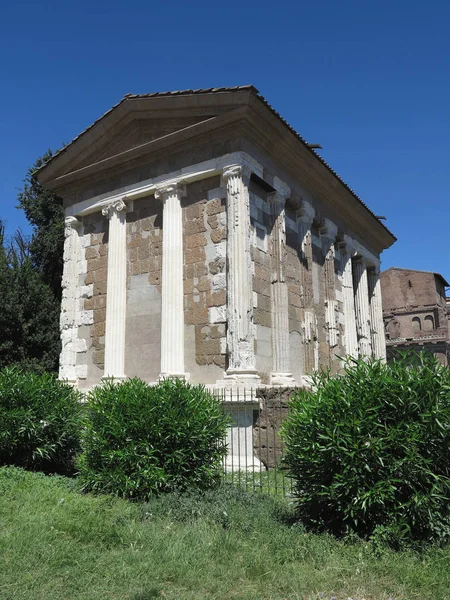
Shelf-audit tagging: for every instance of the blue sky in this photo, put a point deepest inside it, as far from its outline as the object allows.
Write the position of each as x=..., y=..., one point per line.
x=370, y=81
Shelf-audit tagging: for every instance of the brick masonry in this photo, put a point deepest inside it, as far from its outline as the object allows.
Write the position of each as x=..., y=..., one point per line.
x=415, y=312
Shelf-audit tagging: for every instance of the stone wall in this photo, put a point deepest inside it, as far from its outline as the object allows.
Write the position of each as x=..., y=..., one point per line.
x=204, y=238
x=274, y=408
x=261, y=222
x=144, y=264
x=294, y=280
x=91, y=327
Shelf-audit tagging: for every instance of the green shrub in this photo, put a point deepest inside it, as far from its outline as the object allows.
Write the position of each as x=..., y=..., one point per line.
x=40, y=422
x=141, y=439
x=370, y=450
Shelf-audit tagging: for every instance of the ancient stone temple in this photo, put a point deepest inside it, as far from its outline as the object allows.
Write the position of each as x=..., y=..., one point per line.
x=205, y=239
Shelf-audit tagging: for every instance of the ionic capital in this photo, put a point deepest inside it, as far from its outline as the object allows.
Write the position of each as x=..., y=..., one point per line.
x=241, y=171
x=113, y=208
x=329, y=230
x=277, y=200
x=281, y=188
x=306, y=213
x=169, y=188
x=70, y=224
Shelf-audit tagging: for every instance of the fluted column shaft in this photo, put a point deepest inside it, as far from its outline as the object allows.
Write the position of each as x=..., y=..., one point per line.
x=348, y=298
x=240, y=335
x=305, y=218
x=376, y=315
x=328, y=244
x=362, y=307
x=68, y=318
x=116, y=292
x=281, y=374
x=172, y=309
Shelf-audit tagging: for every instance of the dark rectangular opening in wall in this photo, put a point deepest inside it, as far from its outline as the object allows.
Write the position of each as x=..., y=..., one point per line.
x=262, y=184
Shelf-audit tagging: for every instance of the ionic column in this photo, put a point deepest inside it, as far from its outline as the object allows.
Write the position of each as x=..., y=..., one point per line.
x=328, y=235
x=68, y=318
x=116, y=290
x=362, y=307
x=240, y=335
x=172, y=308
x=376, y=315
x=348, y=301
x=280, y=374
x=305, y=217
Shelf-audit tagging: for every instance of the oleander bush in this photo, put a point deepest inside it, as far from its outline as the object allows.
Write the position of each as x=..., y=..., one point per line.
x=40, y=422
x=140, y=440
x=369, y=451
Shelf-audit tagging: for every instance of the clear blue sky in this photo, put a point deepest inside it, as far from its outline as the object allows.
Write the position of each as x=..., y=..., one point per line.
x=370, y=81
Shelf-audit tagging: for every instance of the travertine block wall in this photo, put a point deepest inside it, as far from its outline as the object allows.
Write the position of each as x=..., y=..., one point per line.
x=261, y=222
x=204, y=239
x=294, y=308
x=294, y=279
x=143, y=313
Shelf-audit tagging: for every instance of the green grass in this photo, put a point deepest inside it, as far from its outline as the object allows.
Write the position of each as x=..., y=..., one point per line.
x=57, y=544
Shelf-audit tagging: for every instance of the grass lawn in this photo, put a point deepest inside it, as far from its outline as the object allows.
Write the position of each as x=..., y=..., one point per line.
x=58, y=544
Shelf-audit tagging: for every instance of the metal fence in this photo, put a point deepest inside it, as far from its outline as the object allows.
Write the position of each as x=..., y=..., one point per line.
x=255, y=448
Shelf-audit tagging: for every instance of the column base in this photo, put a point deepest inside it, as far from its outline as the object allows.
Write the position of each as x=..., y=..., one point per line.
x=69, y=381
x=117, y=378
x=282, y=379
x=242, y=378
x=182, y=376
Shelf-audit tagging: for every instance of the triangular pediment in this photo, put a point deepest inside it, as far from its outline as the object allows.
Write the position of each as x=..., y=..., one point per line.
x=139, y=120
x=135, y=132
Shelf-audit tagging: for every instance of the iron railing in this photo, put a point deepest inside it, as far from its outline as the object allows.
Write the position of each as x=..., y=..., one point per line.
x=255, y=447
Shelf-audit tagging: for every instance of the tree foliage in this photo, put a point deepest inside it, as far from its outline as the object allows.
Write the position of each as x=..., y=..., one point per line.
x=30, y=280
x=44, y=211
x=29, y=319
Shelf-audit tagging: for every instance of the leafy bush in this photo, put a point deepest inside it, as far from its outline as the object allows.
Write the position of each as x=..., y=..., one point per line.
x=40, y=421
x=143, y=439
x=370, y=450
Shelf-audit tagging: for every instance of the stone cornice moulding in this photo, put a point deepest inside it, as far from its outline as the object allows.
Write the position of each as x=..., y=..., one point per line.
x=186, y=175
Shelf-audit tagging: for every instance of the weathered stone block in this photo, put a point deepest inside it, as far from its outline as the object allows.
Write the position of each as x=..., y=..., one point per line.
x=143, y=252
x=194, y=226
x=195, y=240
x=92, y=252
x=217, y=235
x=217, y=298
x=101, y=274
x=215, y=206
